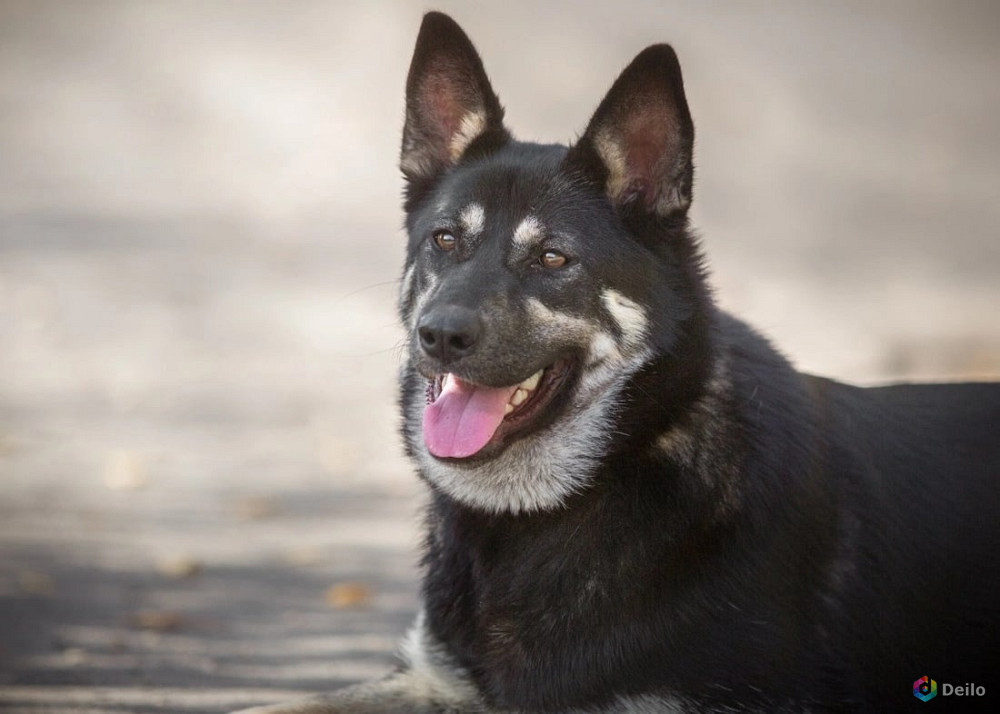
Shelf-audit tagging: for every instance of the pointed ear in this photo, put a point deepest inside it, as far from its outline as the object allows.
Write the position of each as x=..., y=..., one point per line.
x=449, y=102
x=638, y=143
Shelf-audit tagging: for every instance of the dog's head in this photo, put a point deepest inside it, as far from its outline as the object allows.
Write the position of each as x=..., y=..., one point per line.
x=538, y=279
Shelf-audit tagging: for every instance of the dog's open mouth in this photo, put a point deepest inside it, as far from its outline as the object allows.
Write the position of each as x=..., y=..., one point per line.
x=461, y=418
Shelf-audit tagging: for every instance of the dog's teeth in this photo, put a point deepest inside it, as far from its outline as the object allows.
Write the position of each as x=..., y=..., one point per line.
x=508, y=409
x=531, y=382
x=519, y=396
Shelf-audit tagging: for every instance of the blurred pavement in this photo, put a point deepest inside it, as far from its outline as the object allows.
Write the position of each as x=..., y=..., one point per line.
x=203, y=500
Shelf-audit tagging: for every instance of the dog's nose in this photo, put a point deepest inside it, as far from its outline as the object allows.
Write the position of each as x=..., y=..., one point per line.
x=449, y=332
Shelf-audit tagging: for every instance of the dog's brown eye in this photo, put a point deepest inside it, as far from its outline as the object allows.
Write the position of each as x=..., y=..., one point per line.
x=444, y=240
x=552, y=259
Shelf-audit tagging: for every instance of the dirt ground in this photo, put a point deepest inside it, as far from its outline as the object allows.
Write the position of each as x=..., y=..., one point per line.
x=203, y=500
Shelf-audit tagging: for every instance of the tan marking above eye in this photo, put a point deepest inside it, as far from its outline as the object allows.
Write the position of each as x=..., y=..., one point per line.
x=552, y=259
x=444, y=240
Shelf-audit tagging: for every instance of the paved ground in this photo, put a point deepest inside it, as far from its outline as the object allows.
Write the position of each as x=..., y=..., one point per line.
x=202, y=498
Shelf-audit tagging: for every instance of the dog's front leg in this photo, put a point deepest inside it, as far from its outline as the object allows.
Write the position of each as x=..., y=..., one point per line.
x=403, y=692
x=429, y=683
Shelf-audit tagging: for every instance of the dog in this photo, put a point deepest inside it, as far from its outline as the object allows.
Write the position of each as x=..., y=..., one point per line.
x=636, y=503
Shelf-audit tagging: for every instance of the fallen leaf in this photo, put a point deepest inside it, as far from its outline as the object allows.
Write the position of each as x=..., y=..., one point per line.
x=253, y=508
x=348, y=595
x=74, y=656
x=303, y=556
x=157, y=620
x=178, y=567
x=36, y=583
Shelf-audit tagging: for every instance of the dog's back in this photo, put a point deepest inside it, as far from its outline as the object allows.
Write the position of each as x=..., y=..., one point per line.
x=917, y=469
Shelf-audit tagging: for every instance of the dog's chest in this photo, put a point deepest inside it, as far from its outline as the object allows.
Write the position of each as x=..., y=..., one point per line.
x=534, y=610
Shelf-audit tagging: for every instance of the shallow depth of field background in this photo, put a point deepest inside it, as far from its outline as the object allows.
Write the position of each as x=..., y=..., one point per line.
x=203, y=501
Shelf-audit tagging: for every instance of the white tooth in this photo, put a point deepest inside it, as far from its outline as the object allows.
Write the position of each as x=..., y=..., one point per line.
x=519, y=396
x=531, y=382
x=508, y=409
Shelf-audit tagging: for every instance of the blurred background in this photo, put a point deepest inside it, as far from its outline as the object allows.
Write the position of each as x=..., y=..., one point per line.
x=203, y=500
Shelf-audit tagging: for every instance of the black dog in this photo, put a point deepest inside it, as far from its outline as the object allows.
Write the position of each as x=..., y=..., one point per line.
x=637, y=504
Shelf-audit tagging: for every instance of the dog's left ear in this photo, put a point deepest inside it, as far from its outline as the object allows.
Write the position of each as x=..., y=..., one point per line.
x=450, y=104
x=638, y=144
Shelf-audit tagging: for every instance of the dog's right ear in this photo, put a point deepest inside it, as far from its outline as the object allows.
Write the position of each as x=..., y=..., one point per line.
x=451, y=109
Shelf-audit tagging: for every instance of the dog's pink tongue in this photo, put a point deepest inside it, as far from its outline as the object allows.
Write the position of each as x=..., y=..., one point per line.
x=464, y=418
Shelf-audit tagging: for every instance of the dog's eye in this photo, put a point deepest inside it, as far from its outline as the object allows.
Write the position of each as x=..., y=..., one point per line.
x=552, y=259
x=444, y=240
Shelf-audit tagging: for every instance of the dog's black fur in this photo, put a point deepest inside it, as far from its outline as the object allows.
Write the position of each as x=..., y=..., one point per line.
x=859, y=551
x=747, y=538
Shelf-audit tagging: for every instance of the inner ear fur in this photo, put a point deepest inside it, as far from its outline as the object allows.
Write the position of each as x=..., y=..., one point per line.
x=638, y=145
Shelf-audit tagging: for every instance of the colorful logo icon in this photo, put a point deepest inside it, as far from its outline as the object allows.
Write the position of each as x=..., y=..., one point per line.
x=925, y=688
